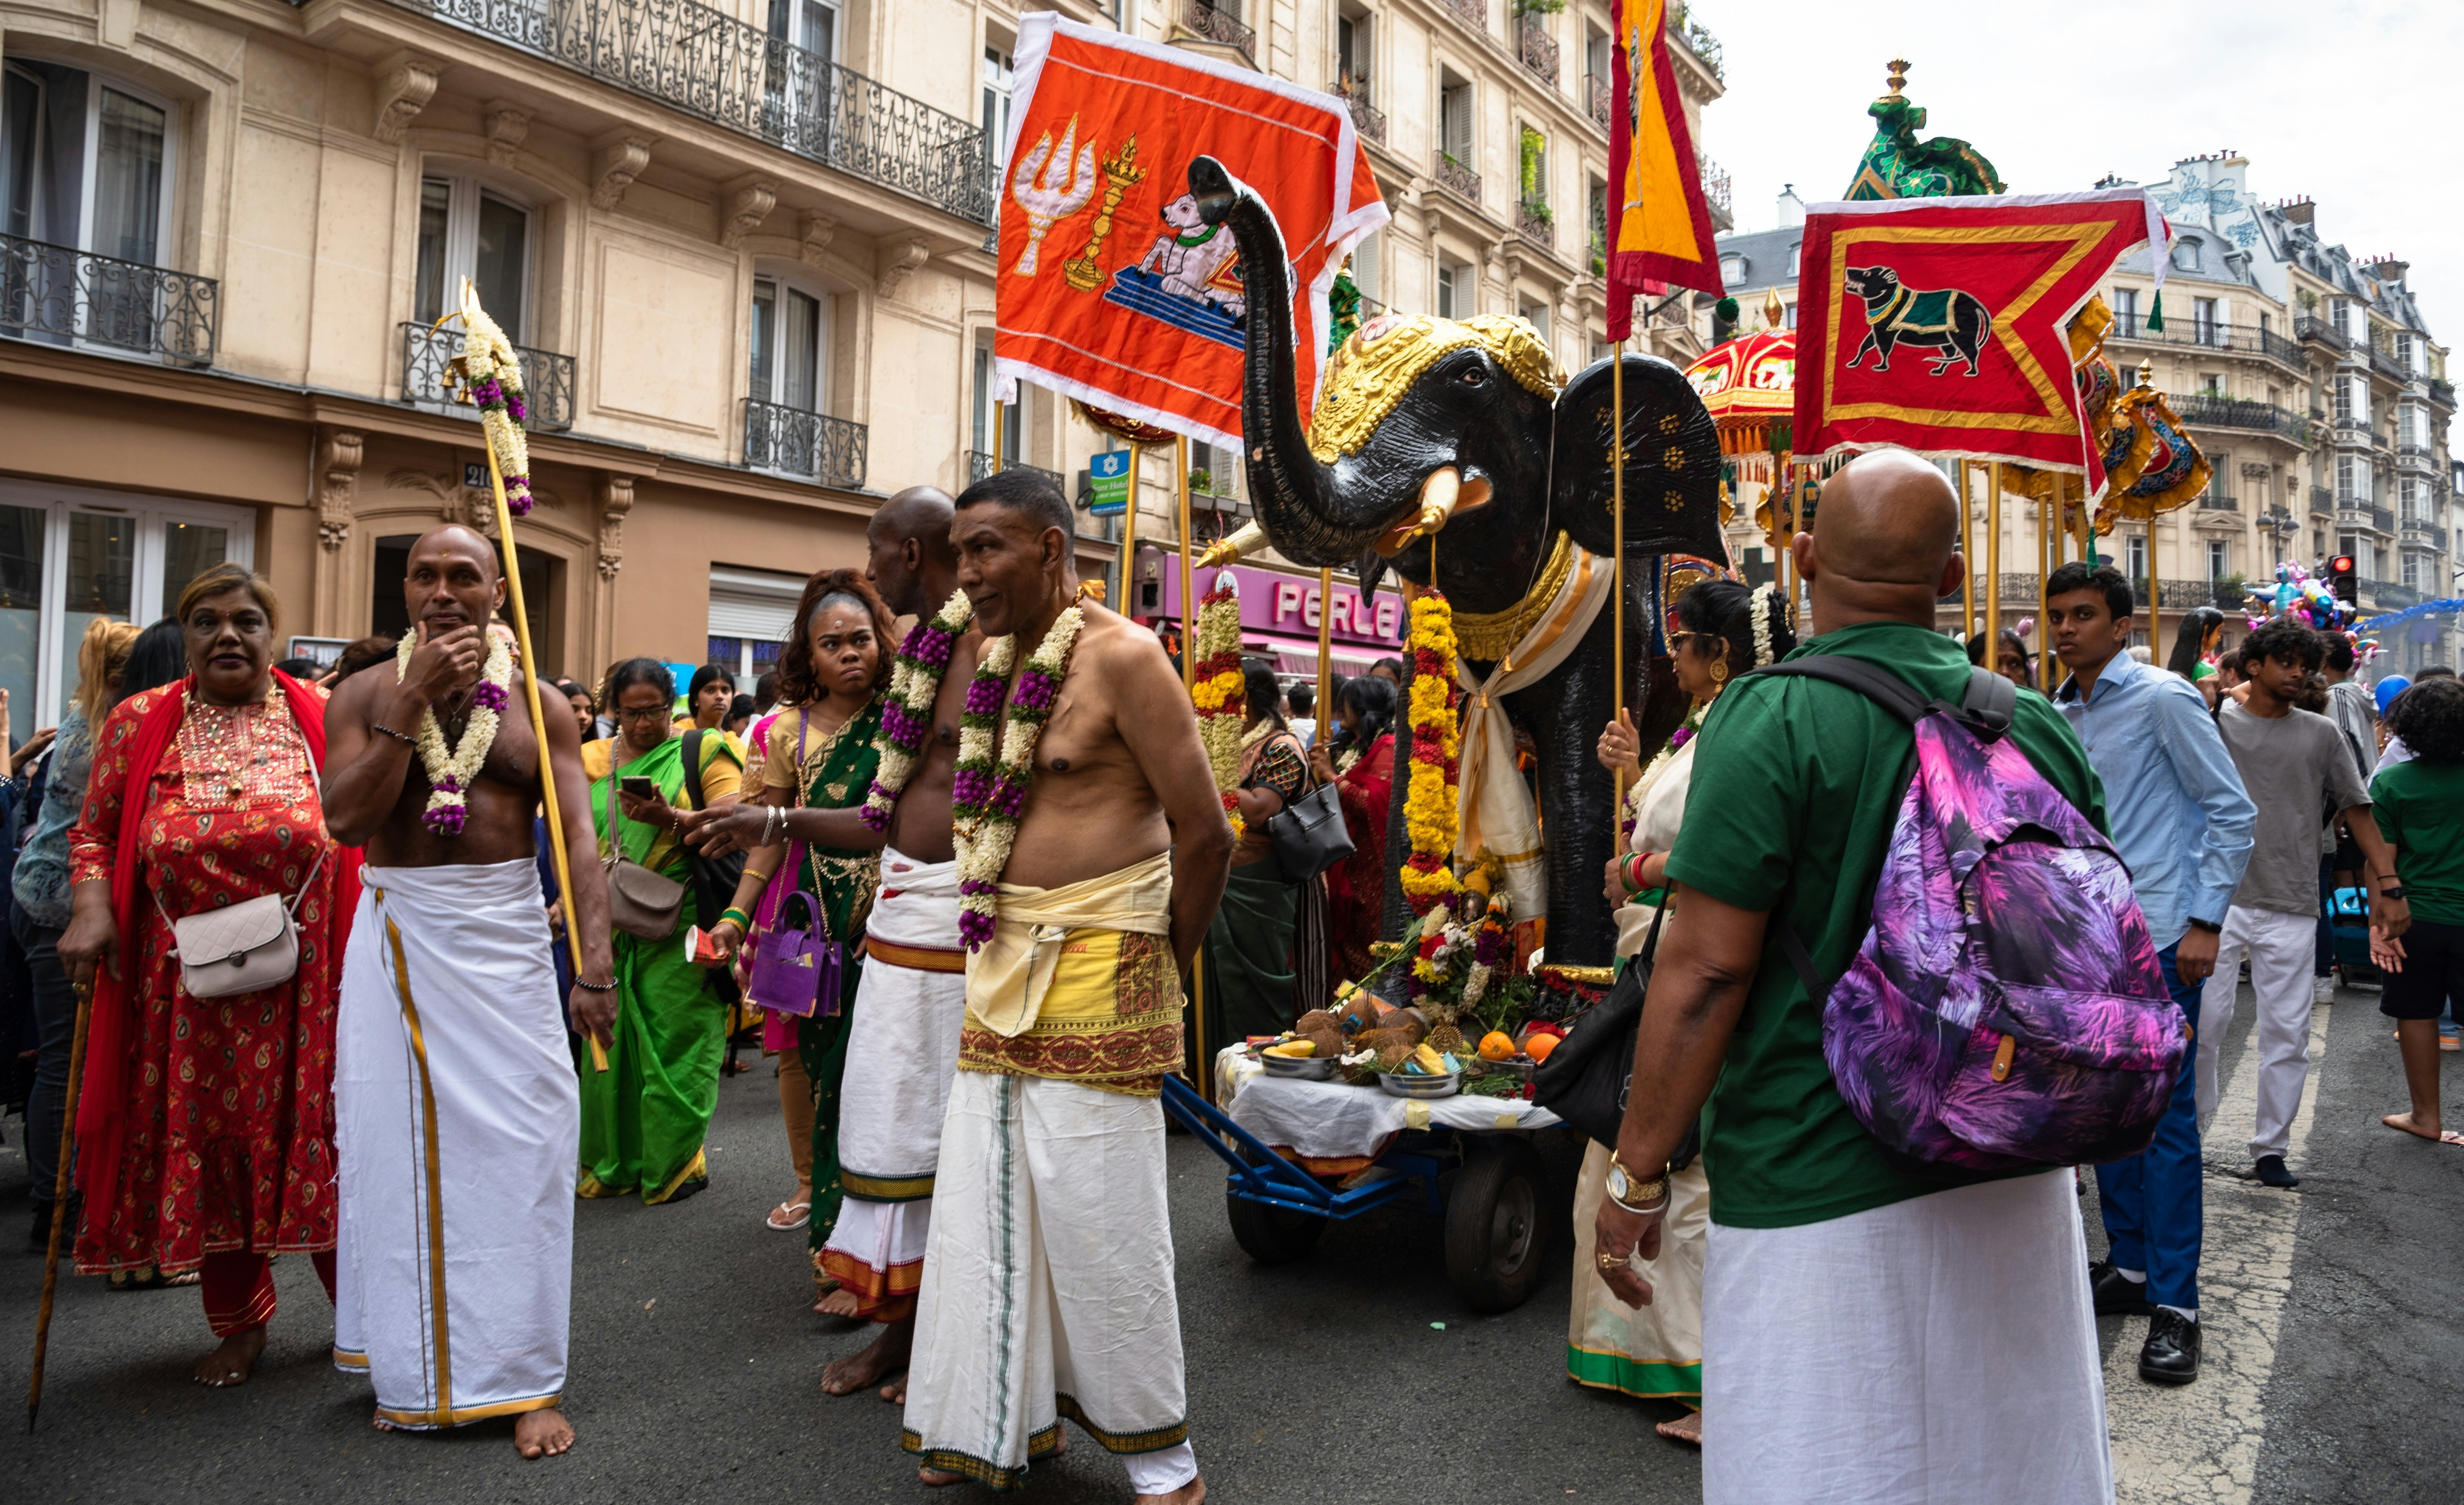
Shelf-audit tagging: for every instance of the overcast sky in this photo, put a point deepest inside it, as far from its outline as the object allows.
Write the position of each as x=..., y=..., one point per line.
x=2338, y=99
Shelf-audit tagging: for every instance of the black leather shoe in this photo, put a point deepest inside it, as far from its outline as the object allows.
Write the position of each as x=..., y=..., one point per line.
x=2116, y=1294
x=2170, y=1356
x=2272, y=1173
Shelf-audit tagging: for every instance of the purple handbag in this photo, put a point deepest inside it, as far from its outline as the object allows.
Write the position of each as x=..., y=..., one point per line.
x=796, y=971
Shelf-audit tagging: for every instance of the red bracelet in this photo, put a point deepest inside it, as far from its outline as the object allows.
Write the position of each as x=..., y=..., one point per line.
x=1633, y=870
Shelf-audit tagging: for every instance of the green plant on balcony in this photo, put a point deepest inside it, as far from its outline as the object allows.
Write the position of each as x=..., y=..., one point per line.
x=1538, y=7
x=1534, y=170
x=2230, y=590
x=1203, y=481
x=2309, y=301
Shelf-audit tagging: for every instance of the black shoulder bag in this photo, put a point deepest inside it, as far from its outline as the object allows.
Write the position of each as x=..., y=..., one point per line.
x=1585, y=1080
x=1309, y=832
x=713, y=879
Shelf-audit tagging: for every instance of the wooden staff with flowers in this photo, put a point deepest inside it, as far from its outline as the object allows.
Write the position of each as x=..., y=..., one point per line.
x=489, y=375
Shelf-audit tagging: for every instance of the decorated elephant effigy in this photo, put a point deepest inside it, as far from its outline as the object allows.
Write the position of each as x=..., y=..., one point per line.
x=1457, y=456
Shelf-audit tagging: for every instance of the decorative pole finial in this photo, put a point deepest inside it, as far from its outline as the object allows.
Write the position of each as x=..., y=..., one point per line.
x=1899, y=79
x=1773, y=310
x=2146, y=372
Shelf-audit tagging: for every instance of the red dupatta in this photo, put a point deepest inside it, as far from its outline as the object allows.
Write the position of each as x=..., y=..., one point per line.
x=102, y=1119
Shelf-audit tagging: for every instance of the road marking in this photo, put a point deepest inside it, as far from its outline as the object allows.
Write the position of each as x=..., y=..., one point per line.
x=2200, y=1441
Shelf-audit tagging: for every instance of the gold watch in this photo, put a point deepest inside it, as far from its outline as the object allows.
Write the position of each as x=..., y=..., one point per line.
x=1648, y=1196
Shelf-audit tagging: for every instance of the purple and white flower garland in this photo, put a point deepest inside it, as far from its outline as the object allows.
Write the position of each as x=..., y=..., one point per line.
x=907, y=714
x=989, y=794
x=494, y=376
x=450, y=769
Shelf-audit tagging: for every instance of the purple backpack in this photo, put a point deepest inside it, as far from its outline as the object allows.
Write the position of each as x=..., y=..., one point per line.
x=2007, y=1008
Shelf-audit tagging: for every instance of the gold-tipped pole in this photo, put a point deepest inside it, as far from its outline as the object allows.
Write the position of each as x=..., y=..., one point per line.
x=61, y=1154
x=1325, y=651
x=1967, y=576
x=538, y=718
x=2155, y=600
x=1994, y=563
x=1617, y=586
x=1205, y=1065
x=1129, y=606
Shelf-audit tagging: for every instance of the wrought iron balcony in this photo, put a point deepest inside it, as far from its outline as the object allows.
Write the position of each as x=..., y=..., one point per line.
x=2309, y=327
x=981, y=464
x=1369, y=123
x=2418, y=454
x=1698, y=40
x=2443, y=393
x=2321, y=499
x=2421, y=530
x=1473, y=14
x=1537, y=48
x=1454, y=175
x=2351, y=512
x=2210, y=335
x=2389, y=366
x=2212, y=503
x=1213, y=26
x=2389, y=596
x=2353, y=430
x=1715, y=182
x=1534, y=223
x=2213, y=410
x=2179, y=595
x=62, y=297
x=1598, y=96
x=546, y=377
x=707, y=64
x=828, y=451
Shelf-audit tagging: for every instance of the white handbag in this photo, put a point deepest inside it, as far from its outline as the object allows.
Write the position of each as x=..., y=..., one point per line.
x=238, y=948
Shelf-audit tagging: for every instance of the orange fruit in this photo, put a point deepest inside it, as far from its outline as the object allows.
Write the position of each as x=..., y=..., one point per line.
x=1538, y=1046
x=1496, y=1046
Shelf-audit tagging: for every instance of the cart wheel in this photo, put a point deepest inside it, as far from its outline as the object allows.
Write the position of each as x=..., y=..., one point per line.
x=1271, y=1235
x=1497, y=1231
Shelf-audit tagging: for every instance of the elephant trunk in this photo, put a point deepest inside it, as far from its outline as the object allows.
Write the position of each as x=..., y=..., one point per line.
x=1293, y=493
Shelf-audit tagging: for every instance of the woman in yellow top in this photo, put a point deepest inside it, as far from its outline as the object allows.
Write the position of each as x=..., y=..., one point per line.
x=644, y=1117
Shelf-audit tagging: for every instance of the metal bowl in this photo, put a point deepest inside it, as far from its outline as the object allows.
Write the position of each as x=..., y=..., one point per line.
x=1398, y=1085
x=1301, y=1067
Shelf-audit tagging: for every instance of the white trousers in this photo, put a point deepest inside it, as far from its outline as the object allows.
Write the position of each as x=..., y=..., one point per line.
x=2281, y=949
x=1940, y=1349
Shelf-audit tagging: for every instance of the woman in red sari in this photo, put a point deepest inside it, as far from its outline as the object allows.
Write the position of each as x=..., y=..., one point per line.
x=206, y=1126
x=1362, y=768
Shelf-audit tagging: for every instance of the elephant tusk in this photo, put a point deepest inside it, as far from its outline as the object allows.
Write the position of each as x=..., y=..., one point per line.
x=1240, y=543
x=1439, y=496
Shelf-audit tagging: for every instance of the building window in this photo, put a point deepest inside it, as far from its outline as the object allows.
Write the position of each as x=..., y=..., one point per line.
x=470, y=230
x=2126, y=310
x=2203, y=321
x=2135, y=554
x=2211, y=383
x=1351, y=34
x=995, y=115
x=1532, y=179
x=2186, y=257
x=84, y=162
x=2219, y=558
x=2410, y=569
x=751, y=614
x=2340, y=316
x=1787, y=316
x=812, y=25
x=1536, y=315
x=1012, y=415
x=2404, y=498
x=790, y=331
x=1595, y=204
x=1733, y=270
x=1795, y=255
x=1364, y=258
x=1458, y=294
x=2403, y=350
x=69, y=555
x=1454, y=121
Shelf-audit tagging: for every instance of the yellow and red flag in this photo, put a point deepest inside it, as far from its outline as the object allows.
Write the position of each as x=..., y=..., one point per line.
x=1659, y=228
x=1109, y=288
x=1940, y=324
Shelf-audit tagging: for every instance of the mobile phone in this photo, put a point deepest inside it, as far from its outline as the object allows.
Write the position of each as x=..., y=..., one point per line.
x=638, y=786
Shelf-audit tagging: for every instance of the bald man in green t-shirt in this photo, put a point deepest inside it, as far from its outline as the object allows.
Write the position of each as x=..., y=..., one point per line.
x=1867, y=1333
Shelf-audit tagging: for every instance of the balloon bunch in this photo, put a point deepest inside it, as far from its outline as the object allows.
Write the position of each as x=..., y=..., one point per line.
x=2305, y=598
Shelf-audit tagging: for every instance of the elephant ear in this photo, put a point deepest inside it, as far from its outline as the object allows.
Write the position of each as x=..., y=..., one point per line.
x=1672, y=464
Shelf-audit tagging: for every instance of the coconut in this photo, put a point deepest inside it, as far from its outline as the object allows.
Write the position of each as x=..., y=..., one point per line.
x=1311, y=1022
x=1329, y=1043
x=1408, y=1025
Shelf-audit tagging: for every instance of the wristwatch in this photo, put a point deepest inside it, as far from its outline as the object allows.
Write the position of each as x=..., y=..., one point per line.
x=1648, y=1196
x=2207, y=925
x=2395, y=891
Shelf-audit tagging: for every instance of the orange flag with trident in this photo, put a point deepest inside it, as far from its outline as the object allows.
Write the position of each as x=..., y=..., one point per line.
x=1659, y=228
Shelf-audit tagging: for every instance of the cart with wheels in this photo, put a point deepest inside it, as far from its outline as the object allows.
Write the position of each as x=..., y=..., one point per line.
x=1469, y=1160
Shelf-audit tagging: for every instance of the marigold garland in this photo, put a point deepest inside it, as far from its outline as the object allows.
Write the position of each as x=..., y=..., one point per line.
x=1429, y=814
x=1219, y=691
x=493, y=377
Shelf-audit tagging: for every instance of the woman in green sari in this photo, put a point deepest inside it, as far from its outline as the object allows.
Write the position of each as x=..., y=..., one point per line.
x=644, y=1117
x=817, y=765
x=1248, y=957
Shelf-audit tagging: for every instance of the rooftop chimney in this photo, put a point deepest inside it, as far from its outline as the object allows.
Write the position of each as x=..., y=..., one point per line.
x=2299, y=212
x=2386, y=269
x=1791, y=209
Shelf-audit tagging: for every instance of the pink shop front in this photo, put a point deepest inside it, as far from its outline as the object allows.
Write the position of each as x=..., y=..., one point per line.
x=1279, y=614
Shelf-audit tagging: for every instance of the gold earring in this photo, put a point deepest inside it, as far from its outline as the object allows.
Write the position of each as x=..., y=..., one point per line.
x=1719, y=671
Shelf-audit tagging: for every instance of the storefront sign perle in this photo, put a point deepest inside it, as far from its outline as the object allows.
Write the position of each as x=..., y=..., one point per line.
x=1288, y=606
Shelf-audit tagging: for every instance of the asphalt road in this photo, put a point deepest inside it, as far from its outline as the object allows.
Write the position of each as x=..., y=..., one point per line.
x=695, y=1357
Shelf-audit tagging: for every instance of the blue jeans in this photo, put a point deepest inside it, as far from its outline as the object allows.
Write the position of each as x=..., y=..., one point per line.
x=56, y=1023
x=2153, y=1211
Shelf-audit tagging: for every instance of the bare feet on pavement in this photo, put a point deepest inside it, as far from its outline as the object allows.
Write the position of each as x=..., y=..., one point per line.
x=882, y=1358
x=1189, y=1494
x=937, y=1477
x=895, y=1392
x=841, y=1302
x=542, y=1435
x=1687, y=1428
x=2394, y=1120
x=230, y=1364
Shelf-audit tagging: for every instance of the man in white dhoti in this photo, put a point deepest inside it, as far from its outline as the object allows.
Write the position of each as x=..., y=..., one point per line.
x=1091, y=850
x=458, y=1116
x=1868, y=1335
x=903, y=1048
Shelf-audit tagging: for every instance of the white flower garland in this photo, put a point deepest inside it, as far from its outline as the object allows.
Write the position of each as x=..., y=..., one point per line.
x=450, y=769
x=1758, y=611
x=993, y=790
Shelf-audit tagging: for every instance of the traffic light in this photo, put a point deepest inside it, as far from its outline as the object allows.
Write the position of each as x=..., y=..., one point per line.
x=2339, y=573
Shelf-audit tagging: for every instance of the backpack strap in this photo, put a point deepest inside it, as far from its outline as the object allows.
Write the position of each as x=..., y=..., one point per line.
x=692, y=768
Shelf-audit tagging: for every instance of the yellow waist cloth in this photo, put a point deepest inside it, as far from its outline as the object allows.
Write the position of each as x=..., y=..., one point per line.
x=1008, y=977
x=1079, y=984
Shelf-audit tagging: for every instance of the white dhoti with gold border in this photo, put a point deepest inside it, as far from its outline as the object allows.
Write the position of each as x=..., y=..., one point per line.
x=901, y=1054
x=458, y=1126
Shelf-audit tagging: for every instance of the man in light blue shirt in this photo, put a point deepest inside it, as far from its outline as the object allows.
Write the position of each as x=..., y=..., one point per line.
x=2182, y=821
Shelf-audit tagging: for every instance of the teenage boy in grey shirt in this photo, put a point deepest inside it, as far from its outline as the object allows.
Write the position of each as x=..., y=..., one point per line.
x=2301, y=774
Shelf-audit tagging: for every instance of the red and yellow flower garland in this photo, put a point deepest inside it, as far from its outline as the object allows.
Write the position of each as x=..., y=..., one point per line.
x=1429, y=814
x=1219, y=691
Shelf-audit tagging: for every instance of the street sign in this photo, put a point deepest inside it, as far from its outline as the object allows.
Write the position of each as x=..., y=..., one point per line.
x=1108, y=482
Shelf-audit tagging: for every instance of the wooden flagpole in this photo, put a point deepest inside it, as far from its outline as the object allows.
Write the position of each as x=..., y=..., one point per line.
x=1188, y=681
x=1617, y=588
x=1993, y=561
x=531, y=691
x=1128, y=602
x=62, y=1154
x=1967, y=579
x=1325, y=652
